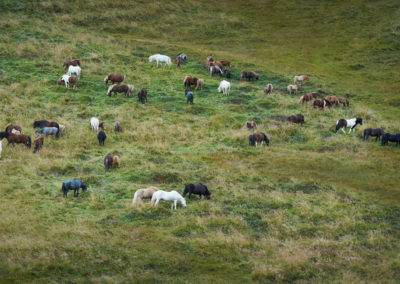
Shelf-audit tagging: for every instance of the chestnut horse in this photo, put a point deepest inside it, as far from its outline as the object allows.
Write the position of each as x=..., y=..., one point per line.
x=226, y=63
x=190, y=81
x=75, y=62
x=126, y=89
x=10, y=127
x=38, y=144
x=333, y=100
x=16, y=138
x=142, y=95
x=114, y=78
x=307, y=98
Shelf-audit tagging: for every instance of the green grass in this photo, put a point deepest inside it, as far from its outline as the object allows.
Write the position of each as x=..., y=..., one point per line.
x=315, y=206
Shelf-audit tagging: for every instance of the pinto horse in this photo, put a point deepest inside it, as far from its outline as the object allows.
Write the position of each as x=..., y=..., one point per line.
x=38, y=144
x=268, y=89
x=321, y=104
x=74, y=185
x=74, y=70
x=377, y=132
x=167, y=196
x=142, y=194
x=390, y=137
x=10, y=127
x=300, y=79
x=215, y=70
x=16, y=138
x=68, y=80
x=75, y=62
x=142, y=95
x=256, y=138
x=190, y=81
x=114, y=78
x=199, y=189
x=182, y=57
x=248, y=75
x=307, y=98
x=351, y=123
x=126, y=89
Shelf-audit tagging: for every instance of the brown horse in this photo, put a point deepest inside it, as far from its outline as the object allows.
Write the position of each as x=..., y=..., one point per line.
x=115, y=162
x=114, y=78
x=142, y=95
x=200, y=84
x=38, y=144
x=307, y=98
x=251, y=124
x=248, y=75
x=322, y=104
x=226, y=63
x=108, y=160
x=102, y=125
x=256, y=138
x=333, y=100
x=344, y=101
x=143, y=193
x=14, y=138
x=298, y=118
x=190, y=81
x=10, y=127
x=75, y=62
x=126, y=89
x=377, y=132
x=178, y=62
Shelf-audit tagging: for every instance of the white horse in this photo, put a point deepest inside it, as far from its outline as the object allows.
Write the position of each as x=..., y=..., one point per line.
x=1, y=149
x=300, y=79
x=74, y=70
x=167, y=196
x=94, y=123
x=294, y=88
x=224, y=87
x=160, y=58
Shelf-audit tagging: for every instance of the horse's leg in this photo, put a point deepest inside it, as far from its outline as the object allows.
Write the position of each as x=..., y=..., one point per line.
x=190, y=194
x=157, y=201
x=343, y=130
x=175, y=201
x=256, y=144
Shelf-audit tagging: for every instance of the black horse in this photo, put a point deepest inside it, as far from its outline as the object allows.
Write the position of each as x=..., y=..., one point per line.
x=199, y=189
x=189, y=95
x=377, y=132
x=74, y=185
x=390, y=137
x=101, y=137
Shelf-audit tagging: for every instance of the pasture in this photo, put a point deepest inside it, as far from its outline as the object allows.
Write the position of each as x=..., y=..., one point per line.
x=314, y=206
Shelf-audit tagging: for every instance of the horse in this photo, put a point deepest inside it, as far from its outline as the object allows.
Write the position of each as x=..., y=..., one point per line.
x=352, y=123
x=321, y=104
x=126, y=89
x=248, y=75
x=215, y=70
x=74, y=185
x=227, y=73
x=14, y=138
x=142, y=95
x=294, y=88
x=75, y=62
x=62, y=129
x=200, y=84
x=224, y=87
x=108, y=159
x=94, y=123
x=333, y=100
x=298, y=118
x=307, y=98
x=74, y=70
x=114, y=78
x=1, y=148
x=45, y=123
x=344, y=101
x=258, y=137
x=182, y=57
x=167, y=196
x=199, y=189
x=390, y=137
x=10, y=127
x=217, y=64
x=300, y=79
x=177, y=63
x=38, y=144
x=142, y=194
x=251, y=124
x=278, y=117
x=48, y=131
x=377, y=132
x=68, y=80
x=189, y=95
x=160, y=58
x=190, y=81
x=101, y=137
x=117, y=127
x=17, y=132
x=115, y=162
x=210, y=59
x=268, y=89
x=226, y=63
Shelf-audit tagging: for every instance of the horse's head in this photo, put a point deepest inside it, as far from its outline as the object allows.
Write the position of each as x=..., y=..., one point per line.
x=84, y=187
x=106, y=79
x=183, y=202
x=59, y=81
x=207, y=194
x=151, y=58
x=359, y=120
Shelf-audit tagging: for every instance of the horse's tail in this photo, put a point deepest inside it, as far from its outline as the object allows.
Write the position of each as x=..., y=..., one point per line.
x=301, y=100
x=29, y=144
x=337, y=126
x=63, y=188
x=58, y=132
x=109, y=90
x=153, y=199
x=315, y=104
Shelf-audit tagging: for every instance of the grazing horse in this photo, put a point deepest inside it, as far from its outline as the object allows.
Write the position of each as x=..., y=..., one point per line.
x=114, y=78
x=68, y=80
x=117, y=127
x=300, y=79
x=224, y=87
x=268, y=89
x=38, y=144
x=189, y=95
x=352, y=123
x=190, y=81
x=298, y=118
x=333, y=100
x=390, y=137
x=215, y=70
x=199, y=189
x=251, y=124
x=307, y=98
x=377, y=132
x=74, y=70
x=227, y=73
x=15, y=138
x=160, y=58
x=248, y=75
x=295, y=88
x=177, y=62
x=142, y=95
x=48, y=131
x=11, y=127
x=344, y=101
x=45, y=123
x=226, y=63
x=17, y=132
x=74, y=185
x=200, y=84
x=101, y=137
x=142, y=194
x=321, y=104
x=257, y=138
x=62, y=129
x=126, y=89
x=167, y=196
x=108, y=159
x=94, y=123
x=182, y=57
x=115, y=162
x=75, y=62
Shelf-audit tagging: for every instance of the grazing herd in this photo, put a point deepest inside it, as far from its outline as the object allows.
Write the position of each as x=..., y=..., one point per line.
x=13, y=133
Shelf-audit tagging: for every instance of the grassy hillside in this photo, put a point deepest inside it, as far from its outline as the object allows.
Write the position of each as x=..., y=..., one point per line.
x=314, y=206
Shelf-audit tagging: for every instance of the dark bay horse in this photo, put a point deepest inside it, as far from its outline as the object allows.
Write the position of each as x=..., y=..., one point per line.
x=114, y=78
x=101, y=137
x=74, y=185
x=298, y=118
x=199, y=189
x=16, y=138
x=190, y=81
x=258, y=138
x=38, y=144
x=108, y=159
x=248, y=75
x=377, y=132
x=142, y=95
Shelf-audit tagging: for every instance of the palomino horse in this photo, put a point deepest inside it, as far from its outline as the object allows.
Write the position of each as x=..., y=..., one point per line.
x=199, y=189
x=167, y=196
x=390, y=137
x=251, y=124
x=68, y=80
x=248, y=75
x=74, y=185
x=75, y=62
x=10, y=127
x=351, y=123
x=190, y=81
x=160, y=58
x=307, y=98
x=321, y=104
x=200, y=84
x=143, y=193
x=38, y=144
x=377, y=132
x=294, y=88
x=268, y=89
x=126, y=89
x=300, y=79
x=256, y=138
x=142, y=95
x=215, y=70
x=16, y=138
x=74, y=70
x=114, y=78
x=224, y=87
x=62, y=129
x=333, y=100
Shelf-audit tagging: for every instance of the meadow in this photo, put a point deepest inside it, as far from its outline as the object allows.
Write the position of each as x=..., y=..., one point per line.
x=315, y=206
